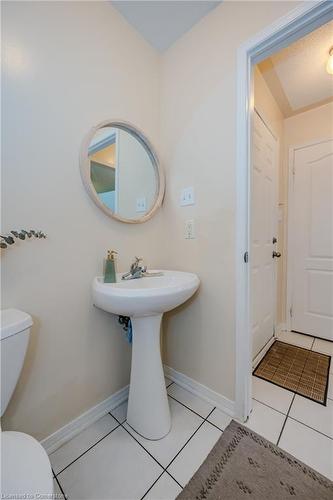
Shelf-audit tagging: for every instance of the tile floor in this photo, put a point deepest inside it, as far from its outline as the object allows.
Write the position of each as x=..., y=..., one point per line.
x=108, y=460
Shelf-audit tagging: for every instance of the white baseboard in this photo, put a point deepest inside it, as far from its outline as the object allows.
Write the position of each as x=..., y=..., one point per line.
x=281, y=327
x=262, y=353
x=70, y=430
x=216, y=399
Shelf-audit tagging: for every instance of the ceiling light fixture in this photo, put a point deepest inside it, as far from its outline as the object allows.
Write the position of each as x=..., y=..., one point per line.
x=329, y=64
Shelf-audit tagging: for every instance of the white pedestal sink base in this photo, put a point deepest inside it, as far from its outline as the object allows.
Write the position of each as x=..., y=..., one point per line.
x=144, y=300
x=148, y=408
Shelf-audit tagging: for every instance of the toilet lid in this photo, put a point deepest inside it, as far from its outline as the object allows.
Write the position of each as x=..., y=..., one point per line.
x=26, y=468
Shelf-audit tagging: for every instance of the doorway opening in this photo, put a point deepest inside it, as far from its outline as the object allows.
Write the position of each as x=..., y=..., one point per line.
x=285, y=228
x=291, y=227
x=285, y=236
x=251, y=116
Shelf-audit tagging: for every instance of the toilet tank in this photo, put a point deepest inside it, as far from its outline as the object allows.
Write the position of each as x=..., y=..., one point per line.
x=15, y=329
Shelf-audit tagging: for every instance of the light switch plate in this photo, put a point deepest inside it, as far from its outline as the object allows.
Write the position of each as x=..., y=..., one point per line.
x=189, y=232
x=141, y=204
x=187, y=196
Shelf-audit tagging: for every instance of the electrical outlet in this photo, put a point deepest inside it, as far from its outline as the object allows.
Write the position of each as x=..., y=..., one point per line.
x=189, y=232
x=187, y=196
x=141, y=204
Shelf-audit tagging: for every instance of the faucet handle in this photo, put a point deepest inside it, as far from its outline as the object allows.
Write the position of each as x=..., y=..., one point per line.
x=136, y=262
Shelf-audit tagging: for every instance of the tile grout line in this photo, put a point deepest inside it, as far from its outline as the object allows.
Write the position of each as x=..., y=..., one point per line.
x=190, y=409
x=193, y=411
x=120, y=424
x=312, y=428
x=204, y=419
x=165, y=468
x=172, y=477
x=292, y=418
x=189, y=439
x=285, y=420
x=59, y=484
x=216, y=426
x=271, y=407
x=159, y=477
x=162, y=466
x=140, y=444
x=90, y=447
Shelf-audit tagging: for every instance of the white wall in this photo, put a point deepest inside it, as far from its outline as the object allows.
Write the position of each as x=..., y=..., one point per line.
x=199, y=144
x=69, y=65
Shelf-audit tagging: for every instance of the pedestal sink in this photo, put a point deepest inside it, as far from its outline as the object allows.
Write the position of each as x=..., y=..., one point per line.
x=145, y=300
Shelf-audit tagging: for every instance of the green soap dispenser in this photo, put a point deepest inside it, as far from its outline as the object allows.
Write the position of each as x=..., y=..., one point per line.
x=110, y=267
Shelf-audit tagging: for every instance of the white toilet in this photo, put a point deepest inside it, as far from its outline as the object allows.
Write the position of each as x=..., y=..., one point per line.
x=25, y=466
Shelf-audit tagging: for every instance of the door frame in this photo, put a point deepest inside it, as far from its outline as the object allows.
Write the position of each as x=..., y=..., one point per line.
x=297, y=23
x=289, y=247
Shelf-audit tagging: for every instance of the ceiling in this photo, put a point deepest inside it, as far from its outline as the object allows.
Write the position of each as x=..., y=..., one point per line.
x=161, y=23
x=297, y=75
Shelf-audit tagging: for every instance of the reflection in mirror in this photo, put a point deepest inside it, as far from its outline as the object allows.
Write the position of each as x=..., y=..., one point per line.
x=122, y=172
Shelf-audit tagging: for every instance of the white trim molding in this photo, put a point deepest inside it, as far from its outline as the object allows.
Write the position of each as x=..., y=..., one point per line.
x=297, y=23
x=70, y=430
x=262, y=353
x=200, y=390
x=281, y=327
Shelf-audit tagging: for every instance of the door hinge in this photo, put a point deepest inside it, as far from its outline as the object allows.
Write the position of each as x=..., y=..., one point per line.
x=291, y=311
x=246, y=257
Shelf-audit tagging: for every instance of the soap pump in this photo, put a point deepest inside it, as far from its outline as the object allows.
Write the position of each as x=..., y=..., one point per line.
x=110, y=267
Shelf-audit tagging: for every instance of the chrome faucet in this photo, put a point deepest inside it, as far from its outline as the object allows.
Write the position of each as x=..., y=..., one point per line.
x=136, y=271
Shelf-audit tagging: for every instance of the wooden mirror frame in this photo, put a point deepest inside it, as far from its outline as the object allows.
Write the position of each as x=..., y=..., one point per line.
x=159, y=174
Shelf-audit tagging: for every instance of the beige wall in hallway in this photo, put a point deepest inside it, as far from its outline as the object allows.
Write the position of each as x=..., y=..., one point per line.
x=56, y=86
x=199, y=143
x=266, y=105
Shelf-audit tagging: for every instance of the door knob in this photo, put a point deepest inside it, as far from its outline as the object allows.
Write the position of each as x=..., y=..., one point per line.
x=276, y=254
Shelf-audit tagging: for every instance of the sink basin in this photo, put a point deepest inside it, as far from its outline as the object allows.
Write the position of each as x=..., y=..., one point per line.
x=145, y=300
x=145, y=296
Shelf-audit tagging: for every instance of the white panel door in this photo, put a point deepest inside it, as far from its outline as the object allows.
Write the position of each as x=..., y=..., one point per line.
x=312, y=241
x=263, y=230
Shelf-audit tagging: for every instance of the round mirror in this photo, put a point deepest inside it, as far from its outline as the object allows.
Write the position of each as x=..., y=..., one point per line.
x=121, y=172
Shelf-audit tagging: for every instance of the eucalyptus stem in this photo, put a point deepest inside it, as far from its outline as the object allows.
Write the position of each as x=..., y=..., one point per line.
x=22, y=234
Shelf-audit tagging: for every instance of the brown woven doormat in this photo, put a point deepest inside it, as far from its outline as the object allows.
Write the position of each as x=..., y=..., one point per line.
x=296, y=369
x=243, y=465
